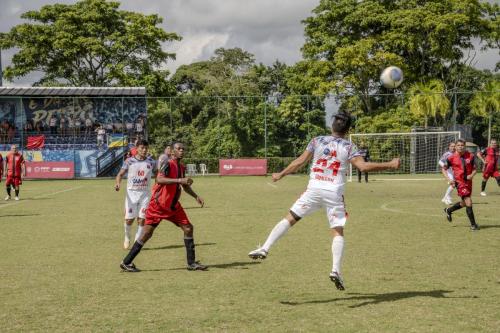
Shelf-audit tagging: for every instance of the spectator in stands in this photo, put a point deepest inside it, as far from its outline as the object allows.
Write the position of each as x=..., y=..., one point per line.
x=28, y=126
x=62, y=125
x=139, y=127
x=3, y=130
x=39, y=129
x=88, y=126
x=78, y=125
x=109, y=128
x=71, y=126
x=53, y=124
x=11, y=132
x=118, y=128
x=101, y=135
x=129, y=126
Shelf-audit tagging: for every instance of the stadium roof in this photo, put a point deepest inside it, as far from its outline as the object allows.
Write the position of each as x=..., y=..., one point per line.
x=72, y=91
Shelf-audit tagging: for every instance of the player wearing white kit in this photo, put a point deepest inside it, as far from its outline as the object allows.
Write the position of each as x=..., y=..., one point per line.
x=139, y=168
x=442, y=163
x=330, y=156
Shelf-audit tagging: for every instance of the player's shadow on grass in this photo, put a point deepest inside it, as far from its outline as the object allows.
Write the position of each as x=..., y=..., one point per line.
x=18, y=215
x=177, y=246
x=369, y=299
x=483, y=226
x=236, y=264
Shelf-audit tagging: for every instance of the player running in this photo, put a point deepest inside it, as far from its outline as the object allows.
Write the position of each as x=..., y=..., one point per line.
x=489, y=156
x=463, y=166
x=139, y=169
x=165, y=205
x=330, y=157
x=442, y=162
x=14, y=171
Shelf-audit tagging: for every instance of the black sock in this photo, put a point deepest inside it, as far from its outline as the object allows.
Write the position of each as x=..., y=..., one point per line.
x=190, y=254
x=470, y=214
x=454, y=207
x=134, y=251
x=498, y=181
x=483, y=185
x=17, y=192
x=8, y=190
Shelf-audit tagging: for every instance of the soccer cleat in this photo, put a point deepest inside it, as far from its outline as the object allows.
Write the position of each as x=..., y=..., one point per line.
x=483, y=194
x=335, y=277
x=16, y=198
x=7, y=198
x=196, y=266
x=448, y=214
x=126, y=244
x=260, y=253
x=474, y=227
x=129, y=268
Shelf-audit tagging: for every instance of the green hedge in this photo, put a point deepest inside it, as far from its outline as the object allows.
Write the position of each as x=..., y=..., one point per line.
x=274, y=164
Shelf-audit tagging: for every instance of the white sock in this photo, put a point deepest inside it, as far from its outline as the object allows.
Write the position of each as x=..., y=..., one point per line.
x=139, y=232
x=278, y=231
x=127, y=230
x=337, y=252
x=448, y=192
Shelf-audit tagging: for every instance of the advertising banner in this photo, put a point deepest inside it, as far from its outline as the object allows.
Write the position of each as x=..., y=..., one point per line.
x=55, y=170
x=254, y=167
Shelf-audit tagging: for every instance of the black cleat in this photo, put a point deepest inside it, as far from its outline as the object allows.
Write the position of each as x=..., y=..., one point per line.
x=335, y=277
x=474, y=227
x=448, y=214
x=196, y=266
x=129, y=268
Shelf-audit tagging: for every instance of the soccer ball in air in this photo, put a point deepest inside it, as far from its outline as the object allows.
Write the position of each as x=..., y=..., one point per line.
x=391, y=77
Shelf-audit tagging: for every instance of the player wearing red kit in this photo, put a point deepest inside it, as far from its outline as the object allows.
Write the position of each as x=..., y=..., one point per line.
x=1, y=167
x=165, y=205
x=489, y=156
x=462, y=164
x=14, y=170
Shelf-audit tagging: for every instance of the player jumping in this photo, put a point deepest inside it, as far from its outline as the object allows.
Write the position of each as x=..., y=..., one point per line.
x=165, y=205
x=463, y=166
x=330, y=156
x=139, y=169
x=489, y=156
x=442, y=162
x=14, y=171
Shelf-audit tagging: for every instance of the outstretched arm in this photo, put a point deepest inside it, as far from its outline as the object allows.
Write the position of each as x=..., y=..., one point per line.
x=363, y=166
x=294, y=166
x=189, y=190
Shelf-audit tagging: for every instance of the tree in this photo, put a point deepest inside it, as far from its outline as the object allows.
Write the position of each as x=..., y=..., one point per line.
x=429, y=100
x=91, y=43
x=486, y=103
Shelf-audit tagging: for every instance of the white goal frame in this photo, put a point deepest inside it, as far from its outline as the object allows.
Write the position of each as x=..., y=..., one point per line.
x=352, y=137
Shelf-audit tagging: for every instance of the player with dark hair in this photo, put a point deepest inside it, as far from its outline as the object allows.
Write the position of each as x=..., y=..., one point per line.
x=330, y=157
x=165, y=205
x=442, y=162
x=14, y=171
x=489, y=156
x=463, y=166
x=139, y=169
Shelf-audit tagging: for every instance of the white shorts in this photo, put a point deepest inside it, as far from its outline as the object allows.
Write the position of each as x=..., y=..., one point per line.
x=313, y=199
x=136, y=204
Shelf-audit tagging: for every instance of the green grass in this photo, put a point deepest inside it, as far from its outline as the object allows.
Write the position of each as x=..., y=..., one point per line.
x=406, y=269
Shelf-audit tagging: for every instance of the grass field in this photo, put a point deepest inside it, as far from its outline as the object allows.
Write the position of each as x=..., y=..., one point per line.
x=406, y=268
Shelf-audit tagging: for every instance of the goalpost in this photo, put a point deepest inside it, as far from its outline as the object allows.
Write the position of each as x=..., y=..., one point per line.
x=419, y=151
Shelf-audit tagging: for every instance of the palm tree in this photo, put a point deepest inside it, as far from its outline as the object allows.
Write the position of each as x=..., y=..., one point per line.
x=486, y=102
x=429, y=100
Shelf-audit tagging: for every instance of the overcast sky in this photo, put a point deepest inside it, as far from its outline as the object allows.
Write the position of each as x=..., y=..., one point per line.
x=270, y=29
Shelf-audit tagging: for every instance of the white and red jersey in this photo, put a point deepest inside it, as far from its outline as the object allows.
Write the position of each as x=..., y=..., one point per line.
x=331, y=156
x=444, y=158
x=139, y=173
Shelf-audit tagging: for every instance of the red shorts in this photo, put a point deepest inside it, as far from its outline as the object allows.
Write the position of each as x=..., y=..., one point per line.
x=16, y=181
x=155, y=213
x=490, y=170
x=464, y=189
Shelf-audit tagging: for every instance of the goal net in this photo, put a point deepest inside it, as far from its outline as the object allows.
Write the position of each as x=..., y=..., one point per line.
x=419, y=151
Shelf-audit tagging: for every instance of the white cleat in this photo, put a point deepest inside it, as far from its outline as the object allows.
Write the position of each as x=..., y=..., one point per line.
x=7, y=198
x=260, y=253
x=126, y=244
x=448, y=201
x=483, y=194
x=335, y=278
x=16, y=198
